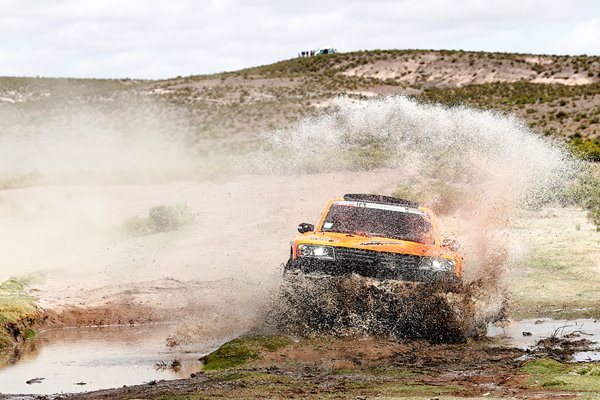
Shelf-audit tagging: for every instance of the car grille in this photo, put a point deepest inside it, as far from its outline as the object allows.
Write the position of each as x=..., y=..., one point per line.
x=385, y=259
x=371, y=264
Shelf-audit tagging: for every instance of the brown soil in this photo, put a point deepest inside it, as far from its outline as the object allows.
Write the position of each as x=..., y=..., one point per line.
x=112, y=313
x=194, y=310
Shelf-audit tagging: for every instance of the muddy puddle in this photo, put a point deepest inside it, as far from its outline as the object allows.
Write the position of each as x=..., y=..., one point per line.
x=85, y=359
x=526, y=334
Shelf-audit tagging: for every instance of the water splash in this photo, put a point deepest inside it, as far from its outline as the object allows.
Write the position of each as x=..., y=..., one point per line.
x=476, y=167
x=485, y=164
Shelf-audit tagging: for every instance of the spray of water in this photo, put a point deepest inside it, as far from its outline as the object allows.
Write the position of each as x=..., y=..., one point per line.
x=477, y=167
x=489, y=163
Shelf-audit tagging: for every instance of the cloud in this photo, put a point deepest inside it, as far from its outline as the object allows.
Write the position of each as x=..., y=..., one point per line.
x=584, y=38
x=165, y=38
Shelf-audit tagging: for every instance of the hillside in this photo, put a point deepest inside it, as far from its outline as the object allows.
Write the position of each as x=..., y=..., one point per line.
x=557, y=96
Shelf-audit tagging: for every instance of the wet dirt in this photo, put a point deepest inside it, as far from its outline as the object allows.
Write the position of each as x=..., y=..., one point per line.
x=355, y=367
x=441, y=311
x=72, y=360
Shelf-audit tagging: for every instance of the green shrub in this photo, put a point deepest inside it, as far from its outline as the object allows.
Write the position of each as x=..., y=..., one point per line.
x=554, y=382
x=160, y=219
x=585, y=193
x=584, y=148
x=19, y=181
x=166, y=218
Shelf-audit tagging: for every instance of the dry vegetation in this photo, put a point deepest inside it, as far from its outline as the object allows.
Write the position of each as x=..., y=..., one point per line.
x=557, y=96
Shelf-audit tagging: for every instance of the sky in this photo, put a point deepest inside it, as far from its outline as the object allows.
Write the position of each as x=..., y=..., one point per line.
x=156, y=39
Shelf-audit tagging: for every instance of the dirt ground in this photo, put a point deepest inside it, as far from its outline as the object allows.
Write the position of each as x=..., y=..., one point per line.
x=361, y=368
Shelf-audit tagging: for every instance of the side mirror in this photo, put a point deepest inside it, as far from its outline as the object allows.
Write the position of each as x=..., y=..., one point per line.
x=452, y=244
x=304, y=227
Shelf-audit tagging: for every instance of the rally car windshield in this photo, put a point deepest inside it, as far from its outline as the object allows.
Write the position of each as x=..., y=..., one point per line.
x=378, y=220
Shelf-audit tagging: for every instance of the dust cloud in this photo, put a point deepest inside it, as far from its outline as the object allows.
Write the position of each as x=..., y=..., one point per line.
x=63, y=172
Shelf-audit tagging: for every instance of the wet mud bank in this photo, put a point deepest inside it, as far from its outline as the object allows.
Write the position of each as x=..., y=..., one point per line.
x=539, y=358
x=349, y=341
x=356, y=367
x=121, y=335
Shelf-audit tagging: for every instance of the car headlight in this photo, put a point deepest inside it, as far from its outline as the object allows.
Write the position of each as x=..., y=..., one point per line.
x=436, y=264
x=315, y=251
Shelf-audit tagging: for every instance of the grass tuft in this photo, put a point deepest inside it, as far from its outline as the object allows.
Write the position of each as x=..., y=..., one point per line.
x=18, y=313
x=549, y=374
x=242, y=350
x=160, y=219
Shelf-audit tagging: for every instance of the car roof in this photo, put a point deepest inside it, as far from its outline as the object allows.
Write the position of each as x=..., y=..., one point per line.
x=380, y=199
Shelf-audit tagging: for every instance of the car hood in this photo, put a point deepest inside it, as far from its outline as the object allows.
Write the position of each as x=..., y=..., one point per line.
x=372, y=243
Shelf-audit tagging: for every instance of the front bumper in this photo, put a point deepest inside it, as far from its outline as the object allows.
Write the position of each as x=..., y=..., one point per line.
x=369, y=263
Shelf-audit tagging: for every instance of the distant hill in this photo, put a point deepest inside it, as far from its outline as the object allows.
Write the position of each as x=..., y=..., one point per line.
x=557, y=96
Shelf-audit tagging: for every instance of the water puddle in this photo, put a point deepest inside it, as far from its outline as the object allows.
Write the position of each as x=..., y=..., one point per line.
x=85, y=359
x=525, y=334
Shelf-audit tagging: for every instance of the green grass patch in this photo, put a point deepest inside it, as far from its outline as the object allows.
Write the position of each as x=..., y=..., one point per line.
x=248, y=376
x=371, y=156
x=585, y=193
x=419, y=390
x=551, y=374
x=18, y=313
x=544, y=366
x=242, y=350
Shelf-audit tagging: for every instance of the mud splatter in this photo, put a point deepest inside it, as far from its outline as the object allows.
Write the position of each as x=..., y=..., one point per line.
x=477, y=167
x=355, y=305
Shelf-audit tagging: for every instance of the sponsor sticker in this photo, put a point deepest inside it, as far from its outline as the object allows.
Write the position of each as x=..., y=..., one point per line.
x=387, y=207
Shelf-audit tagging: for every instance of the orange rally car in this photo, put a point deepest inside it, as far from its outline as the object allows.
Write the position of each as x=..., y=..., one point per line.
x=375, y=236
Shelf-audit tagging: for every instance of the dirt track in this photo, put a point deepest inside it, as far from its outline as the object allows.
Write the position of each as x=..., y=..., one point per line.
x=86, y=270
